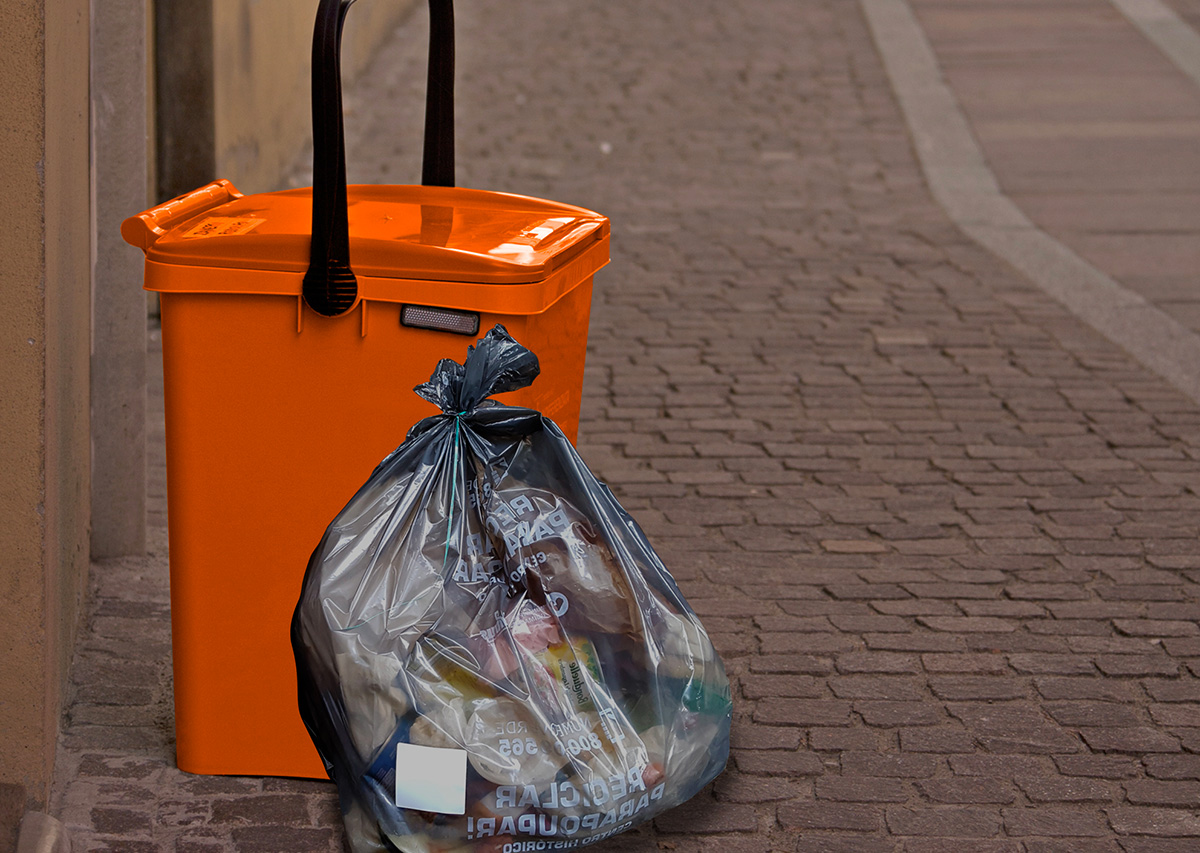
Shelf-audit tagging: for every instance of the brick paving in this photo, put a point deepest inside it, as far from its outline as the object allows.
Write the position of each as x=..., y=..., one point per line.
x=944, y=534
x=1092, y=131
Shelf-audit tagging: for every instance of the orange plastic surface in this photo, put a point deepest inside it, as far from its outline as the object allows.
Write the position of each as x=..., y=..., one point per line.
x=275, y=417
x=269, y=433
x=142, y=230
x=414, y=232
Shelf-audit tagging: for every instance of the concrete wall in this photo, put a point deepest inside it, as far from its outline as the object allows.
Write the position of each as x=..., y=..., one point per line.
x=183, y=67
x=45, y=242
x=262, y=88
x=56, y=228
x=121, y=156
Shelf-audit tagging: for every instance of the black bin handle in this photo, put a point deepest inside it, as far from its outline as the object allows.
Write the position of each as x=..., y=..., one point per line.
x=330, y=286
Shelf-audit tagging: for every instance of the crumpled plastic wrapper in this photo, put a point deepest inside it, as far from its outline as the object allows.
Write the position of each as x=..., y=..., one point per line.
x=490, y=655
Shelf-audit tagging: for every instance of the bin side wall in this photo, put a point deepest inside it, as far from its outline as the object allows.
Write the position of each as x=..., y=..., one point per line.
x=264, y=420
x=261, y=71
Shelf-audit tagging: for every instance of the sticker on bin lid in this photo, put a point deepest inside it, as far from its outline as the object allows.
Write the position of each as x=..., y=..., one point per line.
x=222, y=226
x=523, y=244
x=431, y=779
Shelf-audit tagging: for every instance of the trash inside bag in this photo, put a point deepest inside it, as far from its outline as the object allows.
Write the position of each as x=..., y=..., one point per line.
x=491, y=657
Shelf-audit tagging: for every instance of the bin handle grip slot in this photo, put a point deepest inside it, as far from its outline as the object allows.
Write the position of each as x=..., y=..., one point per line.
x=330, y=286
x=145, y=228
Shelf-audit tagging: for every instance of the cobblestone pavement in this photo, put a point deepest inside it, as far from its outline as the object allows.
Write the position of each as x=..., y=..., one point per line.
x=944, y=535
x=1091, y=129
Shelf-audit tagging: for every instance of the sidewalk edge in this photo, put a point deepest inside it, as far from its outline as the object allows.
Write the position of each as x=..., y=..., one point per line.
x=1167, y=31
x=41, y=833
x=963, y=184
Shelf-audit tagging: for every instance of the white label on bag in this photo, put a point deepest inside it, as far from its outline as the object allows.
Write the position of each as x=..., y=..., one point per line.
x=431, y=779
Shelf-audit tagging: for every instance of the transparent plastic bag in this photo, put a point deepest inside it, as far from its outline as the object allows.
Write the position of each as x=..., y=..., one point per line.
x=491, y=657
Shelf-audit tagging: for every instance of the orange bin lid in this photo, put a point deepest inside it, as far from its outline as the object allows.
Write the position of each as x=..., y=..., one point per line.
x=408, y=232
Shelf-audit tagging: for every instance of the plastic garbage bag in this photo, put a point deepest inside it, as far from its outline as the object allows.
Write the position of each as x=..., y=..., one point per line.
x=491, y=657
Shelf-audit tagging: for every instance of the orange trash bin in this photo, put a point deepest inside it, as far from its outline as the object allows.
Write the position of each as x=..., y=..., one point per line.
x=289, y=376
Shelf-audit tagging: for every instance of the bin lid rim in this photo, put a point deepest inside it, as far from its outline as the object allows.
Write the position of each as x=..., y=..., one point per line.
x=400, y=231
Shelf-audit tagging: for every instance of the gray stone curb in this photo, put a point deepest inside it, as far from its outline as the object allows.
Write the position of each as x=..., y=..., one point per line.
x=41, y=833
x=964, y=185
x=1169, y=33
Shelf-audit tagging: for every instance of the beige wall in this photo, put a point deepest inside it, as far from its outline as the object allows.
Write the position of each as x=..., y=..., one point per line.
x=262, y=90
x=44, y=340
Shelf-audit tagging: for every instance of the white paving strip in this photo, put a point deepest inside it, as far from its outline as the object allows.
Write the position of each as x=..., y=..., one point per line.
x=1170, y=33
x=962, y=182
